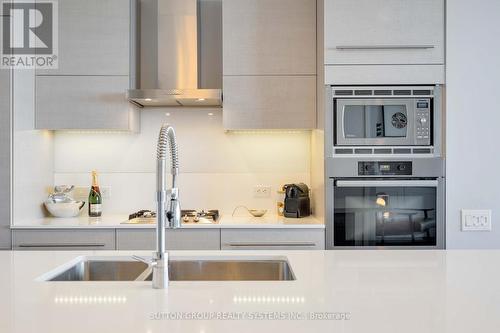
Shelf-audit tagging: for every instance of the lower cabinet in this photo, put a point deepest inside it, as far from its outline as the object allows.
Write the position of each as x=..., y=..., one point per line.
x=65, y=239
x=179, y=239
x=272, y=239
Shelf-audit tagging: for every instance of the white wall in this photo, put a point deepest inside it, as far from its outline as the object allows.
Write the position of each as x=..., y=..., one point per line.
x=473, y=118
x=218, y=169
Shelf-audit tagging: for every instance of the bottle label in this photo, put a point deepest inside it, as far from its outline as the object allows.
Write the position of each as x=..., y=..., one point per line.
x=95, y=208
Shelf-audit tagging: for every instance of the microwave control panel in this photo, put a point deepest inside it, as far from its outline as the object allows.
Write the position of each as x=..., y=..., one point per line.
x=423, y=121
x=385, y=168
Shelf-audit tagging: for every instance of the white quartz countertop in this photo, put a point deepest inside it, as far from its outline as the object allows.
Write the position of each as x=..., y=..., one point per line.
x=116, y=222
x=366, y=291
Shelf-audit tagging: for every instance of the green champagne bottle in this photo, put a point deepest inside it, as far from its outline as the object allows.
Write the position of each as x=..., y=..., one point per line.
x=95, y=198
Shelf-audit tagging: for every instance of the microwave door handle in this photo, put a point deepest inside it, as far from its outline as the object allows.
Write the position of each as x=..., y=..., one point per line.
x=383, y=47
x=387, y=183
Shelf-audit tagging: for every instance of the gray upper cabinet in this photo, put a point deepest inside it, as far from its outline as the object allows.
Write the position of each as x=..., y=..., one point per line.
x=88, y=89
x=269, y=102
x=269, y=64
x=384, y=41
x=384, y=32
x=84, y=102
x=94, y=38
x=263, y=37
x=5, y=165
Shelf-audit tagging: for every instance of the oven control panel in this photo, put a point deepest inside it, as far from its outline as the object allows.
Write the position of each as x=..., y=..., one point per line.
x=403, y=168
x=423, y=121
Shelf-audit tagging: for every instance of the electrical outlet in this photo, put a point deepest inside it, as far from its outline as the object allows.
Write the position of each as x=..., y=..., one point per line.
x=476, y=220
x=261, y=191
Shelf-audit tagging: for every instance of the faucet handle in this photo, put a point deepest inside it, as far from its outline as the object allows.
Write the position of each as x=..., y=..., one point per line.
x=174, y=214
x=149, y=262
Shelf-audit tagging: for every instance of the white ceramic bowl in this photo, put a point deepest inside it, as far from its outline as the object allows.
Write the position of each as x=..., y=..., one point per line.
x=258, y=212
x=64, y=209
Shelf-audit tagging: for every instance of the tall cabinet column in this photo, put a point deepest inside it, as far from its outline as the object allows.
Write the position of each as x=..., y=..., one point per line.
x=5, y=159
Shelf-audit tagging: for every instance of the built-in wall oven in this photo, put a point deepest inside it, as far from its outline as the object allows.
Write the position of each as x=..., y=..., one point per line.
x=386, y=120
x=384, y=167
x=388, y=203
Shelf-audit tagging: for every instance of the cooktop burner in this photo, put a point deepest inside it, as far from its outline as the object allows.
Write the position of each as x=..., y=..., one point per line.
x=187, y=215
x=207, y=216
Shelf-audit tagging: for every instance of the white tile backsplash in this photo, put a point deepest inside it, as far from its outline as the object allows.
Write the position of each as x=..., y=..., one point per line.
x=204, y=147
x=218, y=169
x=130, y=192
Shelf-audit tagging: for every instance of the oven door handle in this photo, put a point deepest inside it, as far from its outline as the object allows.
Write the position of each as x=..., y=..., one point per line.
x=387, y=183
x=383, y=47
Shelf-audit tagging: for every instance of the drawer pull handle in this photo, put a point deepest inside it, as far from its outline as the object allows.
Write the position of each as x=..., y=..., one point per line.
x=63, y=245
x=383, y=47
x=298, y=244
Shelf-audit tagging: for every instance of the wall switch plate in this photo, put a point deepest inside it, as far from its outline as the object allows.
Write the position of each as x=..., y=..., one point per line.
x=262, y=191
x=476, y=220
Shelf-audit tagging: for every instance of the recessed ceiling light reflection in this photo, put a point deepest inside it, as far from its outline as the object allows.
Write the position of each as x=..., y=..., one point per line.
x=90, y=299
x=269, y=299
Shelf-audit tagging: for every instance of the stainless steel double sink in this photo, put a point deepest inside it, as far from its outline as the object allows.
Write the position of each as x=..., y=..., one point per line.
x=127, y=269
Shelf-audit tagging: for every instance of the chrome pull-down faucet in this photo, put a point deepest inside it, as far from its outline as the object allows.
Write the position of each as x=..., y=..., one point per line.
x=168, y=206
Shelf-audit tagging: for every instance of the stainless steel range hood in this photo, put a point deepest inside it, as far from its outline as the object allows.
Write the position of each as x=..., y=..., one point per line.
x=178, y=53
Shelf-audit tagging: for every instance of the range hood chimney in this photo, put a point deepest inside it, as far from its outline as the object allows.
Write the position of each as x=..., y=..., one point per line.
x=178, y=60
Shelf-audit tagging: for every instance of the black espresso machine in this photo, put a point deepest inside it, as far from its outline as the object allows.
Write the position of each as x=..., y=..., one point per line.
x=297, y=202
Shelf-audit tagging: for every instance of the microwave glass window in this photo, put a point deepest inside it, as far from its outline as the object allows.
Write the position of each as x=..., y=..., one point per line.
x=375, y=121
x=385, y=216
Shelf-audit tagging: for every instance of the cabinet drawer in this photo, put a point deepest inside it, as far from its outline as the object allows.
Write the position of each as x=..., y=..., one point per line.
x=273, y=239
x=63, y=239
x=386, y=32
x=83, y=102
x=180, y=239
x=269, y=102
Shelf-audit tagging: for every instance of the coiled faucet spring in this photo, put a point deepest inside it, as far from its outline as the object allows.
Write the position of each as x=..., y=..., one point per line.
x=168, y=141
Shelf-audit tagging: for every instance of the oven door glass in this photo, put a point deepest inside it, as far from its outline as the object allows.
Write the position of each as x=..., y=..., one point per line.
x=383, y=213
x=375, y=122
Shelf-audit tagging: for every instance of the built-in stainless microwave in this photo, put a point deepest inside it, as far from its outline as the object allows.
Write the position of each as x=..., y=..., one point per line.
x=396, y=116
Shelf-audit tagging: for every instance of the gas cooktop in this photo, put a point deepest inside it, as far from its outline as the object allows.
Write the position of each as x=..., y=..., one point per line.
x=187, y=216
